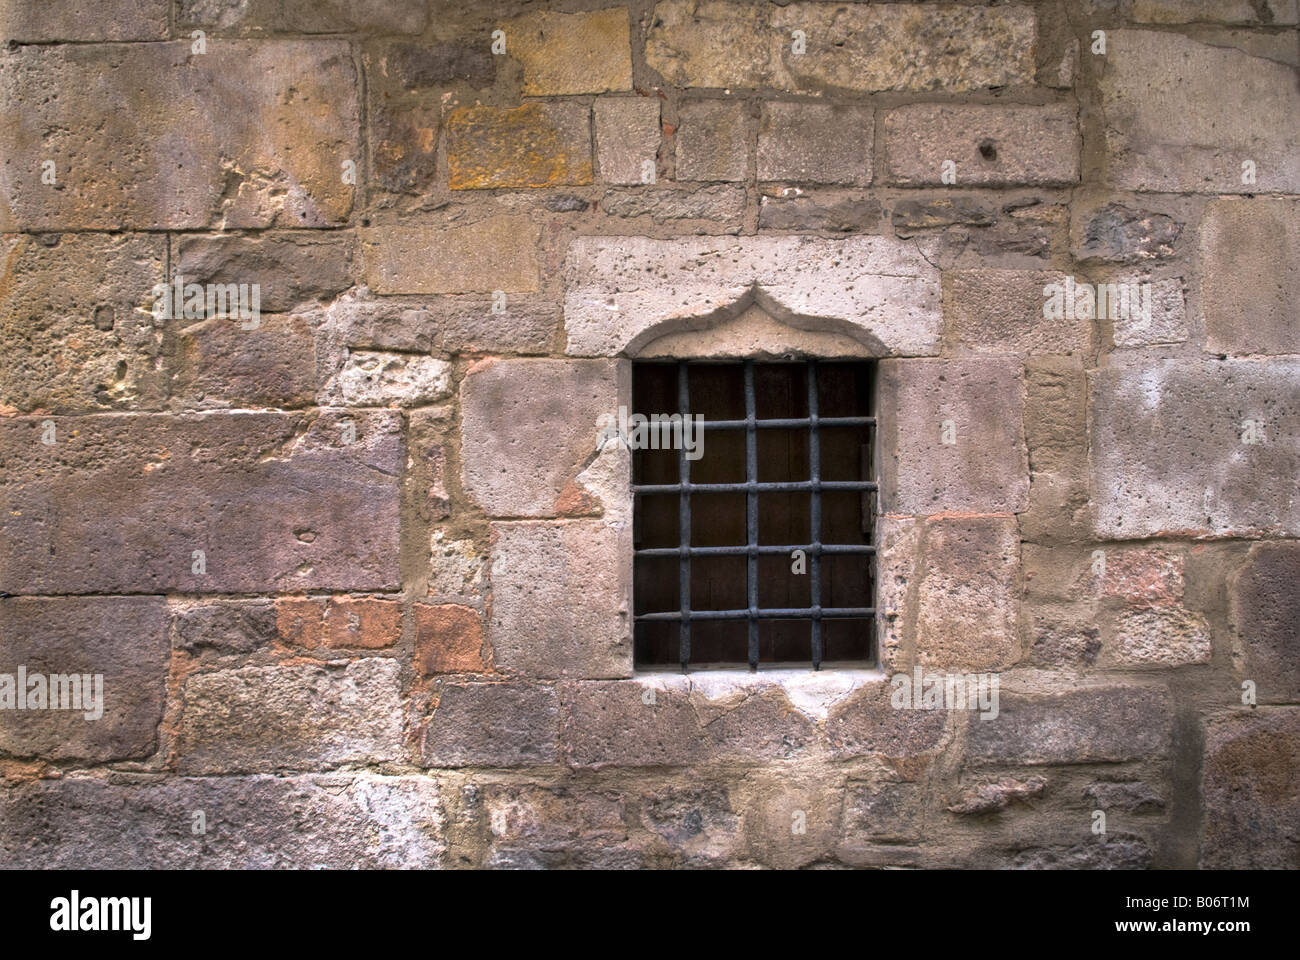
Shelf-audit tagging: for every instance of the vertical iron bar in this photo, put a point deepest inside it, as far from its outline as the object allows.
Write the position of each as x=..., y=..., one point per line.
x=684, y=519
x=815, y=517
x=751, y=510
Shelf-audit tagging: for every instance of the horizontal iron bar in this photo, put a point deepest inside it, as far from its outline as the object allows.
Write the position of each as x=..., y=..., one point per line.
x=788, y=423
x=793, y=486
x=741, y=550
x=792, y=613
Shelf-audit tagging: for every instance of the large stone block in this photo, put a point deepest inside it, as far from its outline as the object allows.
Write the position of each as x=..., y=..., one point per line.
x=1085, y=725
x=1171, y=450
x=121, y=640
x=1250, y=275
x=713, y=140
x=1001, y=311
x=852, y=47
x=219, y=363
x=560, y=599
x=290, y=717
x=73, y=334
x=443, y=324
x=276, y=502
x=83, y=20
x=339, y=821
x=293, y=16
x=878, y=290
x=492, y=725
x=370, y=378
x=532, y=145
x=994, y=146
x=289, y=268
x=627, y=139
x=951, y=436
x=816, y=143
x=564, y=53
x=1249, y=773
x=529, y=431
x=1265, y=613
x=1161, y=93
x=499, y=253
x=247, y=134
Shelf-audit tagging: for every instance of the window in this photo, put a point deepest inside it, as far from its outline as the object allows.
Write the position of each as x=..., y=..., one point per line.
x=760, y=550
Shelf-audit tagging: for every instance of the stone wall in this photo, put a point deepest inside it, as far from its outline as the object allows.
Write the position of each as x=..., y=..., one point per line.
x=354, y=570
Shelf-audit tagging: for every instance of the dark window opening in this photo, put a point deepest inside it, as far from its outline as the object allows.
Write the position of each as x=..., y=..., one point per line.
x=786, y=465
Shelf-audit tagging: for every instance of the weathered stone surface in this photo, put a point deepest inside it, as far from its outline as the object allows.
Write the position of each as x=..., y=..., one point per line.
x=700, y=823
x=444, y=324
x=275, y=501
x=792, y=821
x=1119, y=852
x=499, y=253
x=883, y=813
x=73, y=336
x=985, y=469
x=1021, y=233
x=538, y=827
x=229, y=627
x=1001, y=145
x=565, y=53
x=560, y=599
x=911, y=216
x=1167, y=322
x=290, y=717
x=492, y=725
x=627, y=138
x=1267, y=12
x=365, y=623
x=257, y=134
x=289, y=268
x=834, y=212
x=1084, y=725
x=1160, y=636
x=1167, y=450
x=1116, y=233
x=296, y=16
x=120, y=640
x=340, y=821
x=877, y=290
x=720, y=204
x=219, y=363
x=707, y=43
x=414, y=65
x=961, y=605
x=1154, y=81
x=1001, y=311
x=816, y=143
x=988, y=797
x=1265, y=612
x=1250, y=275
x=83, y=20
x=713, y=140
x=371, y=379
x=1134, y=797
x=449, y=639
x=529, y=430
x=532, y=145
x=1249, y=790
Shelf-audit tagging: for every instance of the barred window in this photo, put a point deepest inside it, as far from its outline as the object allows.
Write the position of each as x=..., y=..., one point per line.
x=754, y=516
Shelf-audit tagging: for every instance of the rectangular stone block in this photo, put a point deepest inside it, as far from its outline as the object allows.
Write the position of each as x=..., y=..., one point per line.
x=219, y=363
x=561, y=599
x=1160, y=94
x=1194, y=447
x=1250, y=275
x=1085, y=725
x=371, y=378
x=247, y=134
x=340, y=821
x=63, y=644
x=532, y=145
x=853, y=47
x=290, y=268
x=492, y=725
x=1002, y=145
x=1002, y=311
x=951, y=436
x=499, y=253
x=627, y=139
x=73, y=336
x=316, y=16
x=713, y=141
x=1262, y=13
x=275, y=502
x=529, y=432
x=1264, y=609
x=567, y=53
x=290, y=717
x=816, y=143
x=82, y=20
x=367, y=623
x=1248, y=788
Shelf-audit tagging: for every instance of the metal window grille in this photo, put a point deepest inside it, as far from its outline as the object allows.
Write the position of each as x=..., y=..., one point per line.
x=821, y=542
